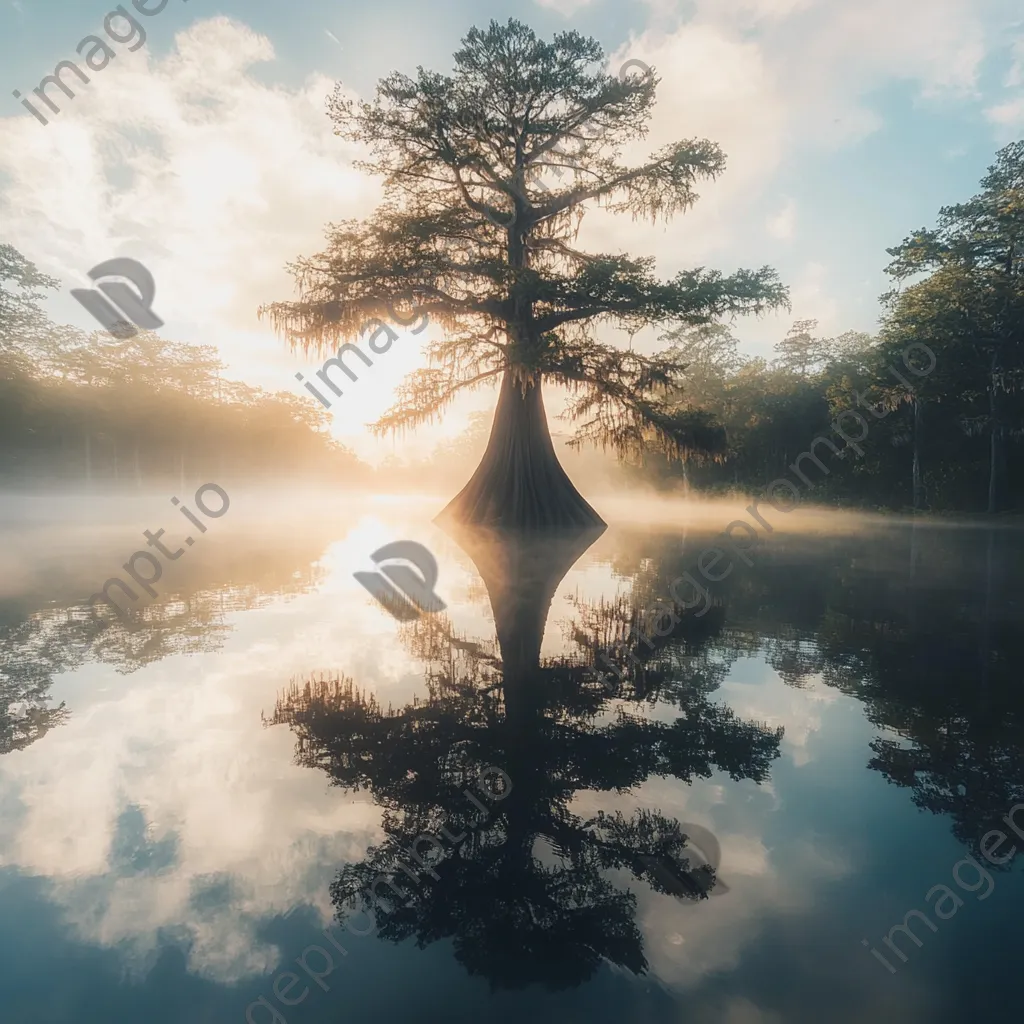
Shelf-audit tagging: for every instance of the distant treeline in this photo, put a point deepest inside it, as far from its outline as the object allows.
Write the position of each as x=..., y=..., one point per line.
x=78, y=407
x=949, y=439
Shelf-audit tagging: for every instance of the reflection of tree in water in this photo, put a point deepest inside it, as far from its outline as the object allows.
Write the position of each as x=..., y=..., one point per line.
x=947, y=680
x=26, y=715
x=50, y=630
x=936, y=658
x=652, y=659
x=526, y=896
x=922, y=626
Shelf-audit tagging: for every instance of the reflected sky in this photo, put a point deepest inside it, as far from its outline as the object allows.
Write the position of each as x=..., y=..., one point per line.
x=179, y=814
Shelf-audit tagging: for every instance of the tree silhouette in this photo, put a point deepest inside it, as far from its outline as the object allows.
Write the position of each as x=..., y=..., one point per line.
x=943, y=673
x=524, y=893
x=800, y=351
x=471, y=229
x=976, y=253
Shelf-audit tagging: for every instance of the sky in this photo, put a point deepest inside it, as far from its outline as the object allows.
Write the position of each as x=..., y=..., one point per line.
x=205, y=152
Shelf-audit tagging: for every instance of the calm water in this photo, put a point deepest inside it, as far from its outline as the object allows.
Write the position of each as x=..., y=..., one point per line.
x=189, y=800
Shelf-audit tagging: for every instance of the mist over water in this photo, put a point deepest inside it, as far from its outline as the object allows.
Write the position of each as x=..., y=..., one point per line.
x=140, y=761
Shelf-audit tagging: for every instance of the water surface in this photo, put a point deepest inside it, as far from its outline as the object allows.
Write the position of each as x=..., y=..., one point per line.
x=189, y=799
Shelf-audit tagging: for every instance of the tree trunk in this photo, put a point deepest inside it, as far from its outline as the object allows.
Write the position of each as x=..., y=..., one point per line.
x=997, y=454
x=993, y=461
x=918, y=483
x=914, y=552
x=986, y=633
x=519, y=483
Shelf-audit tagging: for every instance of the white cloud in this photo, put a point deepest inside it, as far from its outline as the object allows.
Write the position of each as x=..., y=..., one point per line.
x=714, y=85
x=225, y=180
x=567, y=8
x=1015, y=76
x=813, y=298
x=182, y=740
x=1008, y=117
x=782, y=225
x=771, y=79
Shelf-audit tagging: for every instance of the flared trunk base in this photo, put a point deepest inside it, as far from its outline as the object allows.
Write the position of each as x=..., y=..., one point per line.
x=520, y=484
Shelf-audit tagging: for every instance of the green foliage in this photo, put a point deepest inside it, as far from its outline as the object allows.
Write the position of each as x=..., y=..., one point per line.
x=23, y=325
x=975, y=312
x=944, y=436
x=476, y=228
x=800, y=352
x=77, y=405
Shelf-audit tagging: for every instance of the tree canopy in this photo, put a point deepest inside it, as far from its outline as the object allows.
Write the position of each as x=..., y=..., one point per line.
x=477, y=229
